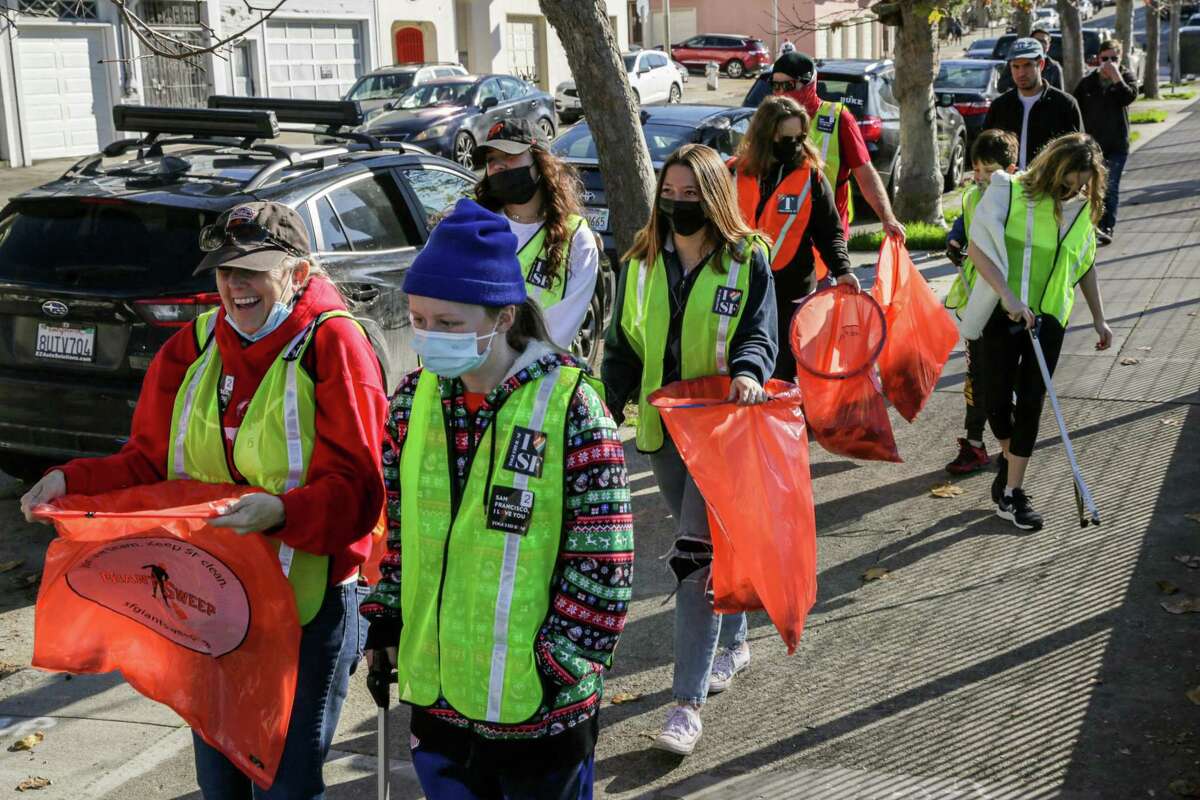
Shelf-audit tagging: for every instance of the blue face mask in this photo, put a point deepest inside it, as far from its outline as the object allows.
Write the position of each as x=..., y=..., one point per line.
x=450, y=355
x=279, y=314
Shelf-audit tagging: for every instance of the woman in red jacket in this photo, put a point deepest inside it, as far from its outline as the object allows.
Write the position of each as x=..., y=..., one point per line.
x=282, y=339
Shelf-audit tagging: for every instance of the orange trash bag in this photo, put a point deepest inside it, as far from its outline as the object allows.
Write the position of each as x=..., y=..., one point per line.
x=836, y=336
x=195, y=617
x=921, y=334
x=751, y=465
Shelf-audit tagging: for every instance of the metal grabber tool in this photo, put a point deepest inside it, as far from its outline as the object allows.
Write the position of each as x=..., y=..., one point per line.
x=379, y=682
x=1088, y=513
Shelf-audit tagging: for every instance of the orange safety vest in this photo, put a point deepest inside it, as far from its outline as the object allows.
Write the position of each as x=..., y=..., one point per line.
x=784, y=217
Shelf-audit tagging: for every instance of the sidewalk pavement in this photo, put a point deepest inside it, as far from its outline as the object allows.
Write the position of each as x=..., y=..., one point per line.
x=989, y=663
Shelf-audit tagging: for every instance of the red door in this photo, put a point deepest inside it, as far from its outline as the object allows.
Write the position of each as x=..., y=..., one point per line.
x=410, y=46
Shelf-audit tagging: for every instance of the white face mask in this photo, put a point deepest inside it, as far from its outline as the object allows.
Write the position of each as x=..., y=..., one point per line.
x=450, y=355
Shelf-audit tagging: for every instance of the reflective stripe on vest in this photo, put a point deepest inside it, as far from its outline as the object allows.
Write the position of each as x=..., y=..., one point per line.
x=541, y=287
x=710, y=320
x=273, y=445
x=793, y=192
x=1042, y=267
x=489, y=585
x=960, y=290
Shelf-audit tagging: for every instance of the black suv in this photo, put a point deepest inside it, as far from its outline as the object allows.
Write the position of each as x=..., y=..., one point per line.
x=96, y=267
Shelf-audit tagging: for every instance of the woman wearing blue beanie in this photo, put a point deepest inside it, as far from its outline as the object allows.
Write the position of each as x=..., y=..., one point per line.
x=510, y=532
x=697, y=299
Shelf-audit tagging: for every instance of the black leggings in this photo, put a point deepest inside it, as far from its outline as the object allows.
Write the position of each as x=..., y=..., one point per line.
x=1009, y=367
x=975, y=393
x=790, y=287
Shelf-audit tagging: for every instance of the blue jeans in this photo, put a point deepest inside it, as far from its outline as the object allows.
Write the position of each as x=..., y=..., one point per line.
x=699, y=631
x=445, y=778
x=1116, y=165
x=330, y=647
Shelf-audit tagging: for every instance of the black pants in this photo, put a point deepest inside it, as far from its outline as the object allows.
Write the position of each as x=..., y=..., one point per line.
x=975, y=393
x=791, y=286
x=1009, y=368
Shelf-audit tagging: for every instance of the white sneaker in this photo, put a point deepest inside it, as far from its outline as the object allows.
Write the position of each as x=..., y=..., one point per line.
x=681, y=732
x=729, y=662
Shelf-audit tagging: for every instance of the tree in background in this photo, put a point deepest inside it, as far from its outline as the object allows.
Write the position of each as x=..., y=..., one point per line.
x=1072, y=43
x=1124, y=29
x=1173, y=47
x=1153, y=29
x=1021, y=18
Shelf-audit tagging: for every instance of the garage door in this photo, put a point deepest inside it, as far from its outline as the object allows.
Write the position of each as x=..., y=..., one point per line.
x=313, y=60
x=63, y=91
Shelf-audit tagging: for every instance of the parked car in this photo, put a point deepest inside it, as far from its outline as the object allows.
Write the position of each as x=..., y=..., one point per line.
x=682, y=70
x=736, y=54
x=96, y=266
x=865, y=87
x=651, y=76
x=375, y=89
x=973, y=83
x=981, y=48
x=1046, y=18
x=449, y=116
x=666, y=129
x=1193, y=21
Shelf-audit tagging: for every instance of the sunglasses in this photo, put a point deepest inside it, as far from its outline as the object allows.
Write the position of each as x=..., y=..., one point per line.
x=1104, y=59
x=245, y=234
x=786, y=86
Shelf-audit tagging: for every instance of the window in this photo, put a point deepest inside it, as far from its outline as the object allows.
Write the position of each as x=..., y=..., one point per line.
x=846, y=89
x=513, y=89
x=695, y=41
x=381, y=87
x=957, y=76
x=333, y=238
x=372, y=214
x=489, y=88
x=437, y=190
x=662, y=140
x=630, y=60
x=656, y=60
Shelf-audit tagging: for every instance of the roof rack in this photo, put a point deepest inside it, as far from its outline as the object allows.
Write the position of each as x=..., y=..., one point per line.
x=156, y=121
x=332, y=113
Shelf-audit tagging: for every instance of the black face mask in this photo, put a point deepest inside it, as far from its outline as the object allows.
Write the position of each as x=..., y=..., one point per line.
x=784, y=150
x=514, y=186
x=685, y=216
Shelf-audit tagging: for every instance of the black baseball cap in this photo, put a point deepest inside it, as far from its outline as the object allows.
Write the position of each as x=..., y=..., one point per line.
x=278, y=231
x=509, y=136
x=797, y=65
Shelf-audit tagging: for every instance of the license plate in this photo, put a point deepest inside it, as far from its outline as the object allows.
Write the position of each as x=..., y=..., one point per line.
x=66, y=342
x=597, y=219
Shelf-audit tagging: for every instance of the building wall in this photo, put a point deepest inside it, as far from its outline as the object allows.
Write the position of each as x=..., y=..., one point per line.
x=434, y=17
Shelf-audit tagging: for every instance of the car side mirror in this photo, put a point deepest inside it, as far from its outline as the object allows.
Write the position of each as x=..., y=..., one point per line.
x=489, y=102
x=389, y=105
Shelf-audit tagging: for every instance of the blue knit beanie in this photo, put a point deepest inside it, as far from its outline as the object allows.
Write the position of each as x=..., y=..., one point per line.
x=471, y=257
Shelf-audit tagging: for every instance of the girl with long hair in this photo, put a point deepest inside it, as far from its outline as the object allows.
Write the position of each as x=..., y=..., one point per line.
x=1032, y=239
x=696, y=298
x=782, y=190
x=538, y=193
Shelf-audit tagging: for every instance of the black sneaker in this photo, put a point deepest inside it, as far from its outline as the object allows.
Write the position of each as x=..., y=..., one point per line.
x=1001, y=479
x=1017, y=509
x=1104, y=237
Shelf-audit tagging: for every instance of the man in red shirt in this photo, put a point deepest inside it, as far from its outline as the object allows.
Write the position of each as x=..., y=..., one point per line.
x=795, y=75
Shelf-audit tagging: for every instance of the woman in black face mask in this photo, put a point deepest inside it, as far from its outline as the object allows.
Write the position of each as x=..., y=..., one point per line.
x=782, y=190
x=538, y=194
x=695, y=299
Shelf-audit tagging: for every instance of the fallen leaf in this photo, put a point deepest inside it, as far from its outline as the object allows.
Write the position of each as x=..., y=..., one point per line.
x=1191, y=562
x=1191, y=313
x=1129, y=361
x=33, y=783
x=1193, y=694
x=1194, y=516
x=1184, y=787
x=28, y=743
x=1125, y=751
x=1146, y=349
x=9, y=566
x=875, y=573
x=1166, y=587
x=625, y=697
x=1180, y=605
x=946, y=490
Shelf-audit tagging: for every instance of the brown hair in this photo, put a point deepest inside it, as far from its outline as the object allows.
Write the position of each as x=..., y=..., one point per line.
x=561, y=185
x=754, y=153
x=529, y=325
x=1110, y=44
x=995, y=146
x=725, y=224
x=1047, y=175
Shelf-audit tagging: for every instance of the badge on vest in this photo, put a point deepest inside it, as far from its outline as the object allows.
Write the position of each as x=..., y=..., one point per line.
x=727, y=301
x=511, y=510
x=825, y=123
x=226, y=391
x=788, y=204
x=539, y=274
x=526, y=452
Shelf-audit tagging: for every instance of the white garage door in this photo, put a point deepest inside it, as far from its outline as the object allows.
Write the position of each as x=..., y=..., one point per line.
x=64, y=91
x=313, y=60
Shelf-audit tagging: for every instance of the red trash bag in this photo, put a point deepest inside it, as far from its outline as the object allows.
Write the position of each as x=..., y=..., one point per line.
x=195, y=617
x=921, y=334
x=751, y=465
x=836, y=335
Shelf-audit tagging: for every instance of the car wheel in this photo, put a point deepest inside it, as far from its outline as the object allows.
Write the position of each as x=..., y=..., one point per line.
x=25, y=468
x=893, y=179
x=464, y=143
x=735, y=69
x=676, y=94
x=637, y=98
x=546, y=127
x=958, y=164
x=586, y=346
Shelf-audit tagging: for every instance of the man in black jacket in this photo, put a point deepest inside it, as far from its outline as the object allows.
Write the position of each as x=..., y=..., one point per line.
x=1104, y=96
x=1035, y=112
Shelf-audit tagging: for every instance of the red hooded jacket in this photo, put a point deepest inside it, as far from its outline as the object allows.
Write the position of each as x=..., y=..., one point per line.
x=333, y=513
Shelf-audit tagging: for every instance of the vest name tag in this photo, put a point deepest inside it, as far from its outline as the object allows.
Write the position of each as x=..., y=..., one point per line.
x=727, y=301
x=526, y=452
x=511, y=510
x=825, y=123
x=788, y=204
x=539, y=275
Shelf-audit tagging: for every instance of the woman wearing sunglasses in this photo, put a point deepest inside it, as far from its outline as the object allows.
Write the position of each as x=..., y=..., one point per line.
x=782, y=191
x=281, y=345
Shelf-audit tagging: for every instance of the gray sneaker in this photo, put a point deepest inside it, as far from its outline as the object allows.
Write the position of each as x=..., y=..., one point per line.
x=682, y=731
x=728, y=663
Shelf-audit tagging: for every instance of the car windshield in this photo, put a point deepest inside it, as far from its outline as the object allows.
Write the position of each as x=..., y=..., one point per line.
x=983, y=46
x=851, y=91
x=630, y=61
x=437, y=94
x=381, y=87
x=120, y=246
x=662, y=140
x=958, y=76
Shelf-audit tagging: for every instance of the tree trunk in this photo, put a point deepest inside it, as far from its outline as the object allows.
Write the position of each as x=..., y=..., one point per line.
x=1176, y=13
x=612, y=115
x=1153, y=35
x=1124, y=28
x=919, y=187
x=1072, y=44
x=980, y=19
x=1022, y=20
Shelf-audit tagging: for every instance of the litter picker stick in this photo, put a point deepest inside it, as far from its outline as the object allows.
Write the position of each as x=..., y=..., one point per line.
x=1088, y=513
x=379, y=683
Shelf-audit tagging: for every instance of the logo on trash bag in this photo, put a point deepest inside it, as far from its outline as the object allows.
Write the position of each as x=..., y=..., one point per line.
x=177, y=590
x=727, y=301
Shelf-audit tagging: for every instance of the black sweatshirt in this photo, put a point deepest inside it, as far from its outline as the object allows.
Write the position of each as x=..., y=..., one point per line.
x=1105, y=110
x=752, y=352
x=1054, y=114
